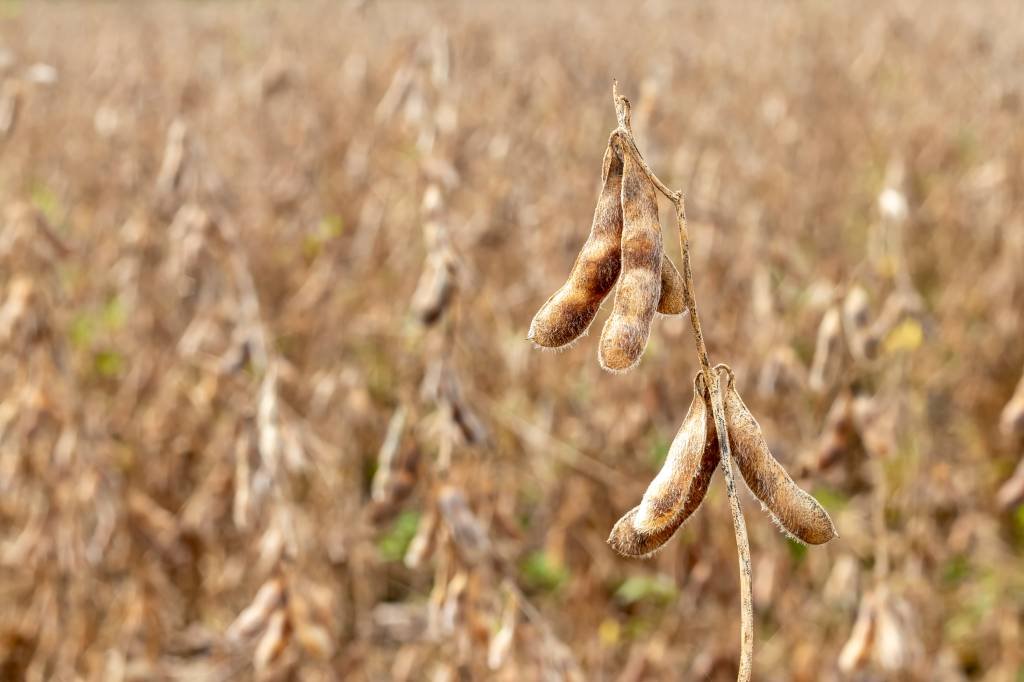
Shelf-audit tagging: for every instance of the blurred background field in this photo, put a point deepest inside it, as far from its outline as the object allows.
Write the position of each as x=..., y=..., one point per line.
x=237, y=440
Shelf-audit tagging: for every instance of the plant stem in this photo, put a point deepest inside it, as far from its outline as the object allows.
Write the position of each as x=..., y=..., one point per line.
x=711, y=379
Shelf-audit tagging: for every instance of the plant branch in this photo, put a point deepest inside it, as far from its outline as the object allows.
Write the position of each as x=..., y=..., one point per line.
x=711, y=379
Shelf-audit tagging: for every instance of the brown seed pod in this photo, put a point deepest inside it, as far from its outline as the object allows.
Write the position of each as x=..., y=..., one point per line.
x=397, y=470
x=628, y=540
x=10, y=93
x=900, y=305
x=424, y=541
x=467, y=533
x=678, y=490
x=782, y=372
x=252, y=619
x=671, y=301
x=172, y=174
x=624, y=337
x=437, y=286
x=857, y=651
x=884, y=634
x=839, y=437
x=469, y=423
x=875, y=421
x=667, y=492
x=570, y=310
x=856, y=323
x=273, y=642
x=794, y=510
x=315, y=639
x=825, y=366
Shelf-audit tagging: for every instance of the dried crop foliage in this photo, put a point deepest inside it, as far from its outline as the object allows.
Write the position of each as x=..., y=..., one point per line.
x=267, y=410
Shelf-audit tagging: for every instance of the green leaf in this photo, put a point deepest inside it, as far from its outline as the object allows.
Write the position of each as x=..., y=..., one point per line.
x=46, y=200
x=1018, y=519
x=656, y=589
x=107, y=363
x=331, y=226
x=833, y=500
x=541, y=572
x=956, y=569
x=81, y=331
x=113, y=313
x=394, y=543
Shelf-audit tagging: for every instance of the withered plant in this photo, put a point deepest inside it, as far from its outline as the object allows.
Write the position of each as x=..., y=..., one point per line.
x=265, y=407
x=626, y=240
x=473, y=611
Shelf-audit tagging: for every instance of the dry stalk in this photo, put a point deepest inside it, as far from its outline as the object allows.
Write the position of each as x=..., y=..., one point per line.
x=469, y=564
x=711, y=380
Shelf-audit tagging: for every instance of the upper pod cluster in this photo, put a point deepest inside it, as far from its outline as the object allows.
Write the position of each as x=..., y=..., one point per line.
x=625, y=239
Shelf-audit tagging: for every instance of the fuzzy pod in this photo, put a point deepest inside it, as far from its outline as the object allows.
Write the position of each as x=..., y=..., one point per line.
x=856, y=311
x=667, y=492
x=424, y=541
x=825, y=365
x=672, y=301
x=840, y=434
x=857, y=650
x=273, y=642
x=436, y=288
x=857, y=324
x=793, y=509
x=678, y=490
x=467, y=534
x=569, y=312
x=625, y=333
x=315, y=640
x=252, y=619
x=629, y=540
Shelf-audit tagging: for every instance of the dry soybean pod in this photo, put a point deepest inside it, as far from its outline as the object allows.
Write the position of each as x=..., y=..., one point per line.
x=671, y=301
x=570, y=310
x=624, y=337
x=678, y=490
x=436, y=288
x=793, y=509
x=629, y=540
x=667, y=492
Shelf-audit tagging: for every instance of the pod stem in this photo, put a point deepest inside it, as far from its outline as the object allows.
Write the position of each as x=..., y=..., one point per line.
x=624, y=133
